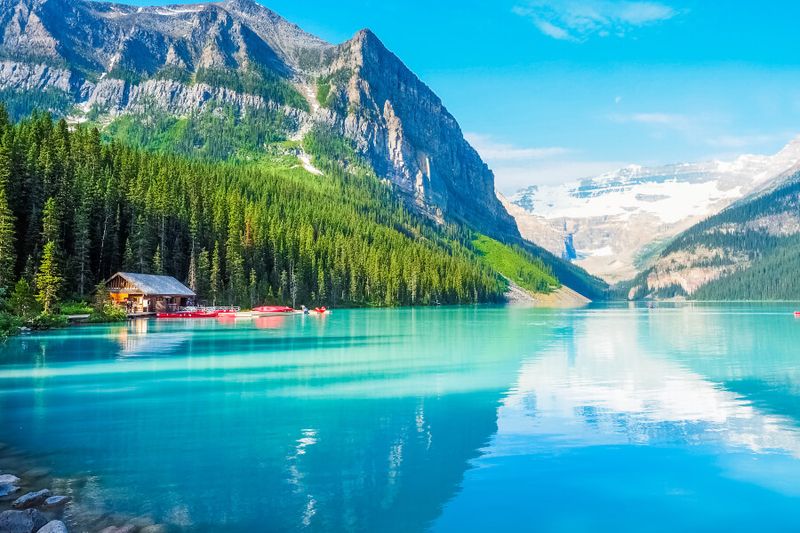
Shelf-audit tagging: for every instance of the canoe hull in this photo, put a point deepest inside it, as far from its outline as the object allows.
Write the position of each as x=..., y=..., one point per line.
x=189, y=314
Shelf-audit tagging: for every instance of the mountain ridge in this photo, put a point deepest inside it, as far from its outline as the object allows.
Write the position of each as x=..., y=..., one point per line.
x=613, y=223
x=748, y=251
x=102, y=61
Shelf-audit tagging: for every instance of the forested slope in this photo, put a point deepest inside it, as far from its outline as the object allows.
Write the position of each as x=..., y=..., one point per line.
x=750, y=251
x=237, y=233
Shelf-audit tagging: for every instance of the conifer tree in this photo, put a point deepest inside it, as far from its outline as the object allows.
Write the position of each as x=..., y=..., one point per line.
x=158, y=262
x=23, y=300
x=48, y=279
x=203, y=274
x=215, y=276
x=51, y=226
x=8, y=256
x=191, y=278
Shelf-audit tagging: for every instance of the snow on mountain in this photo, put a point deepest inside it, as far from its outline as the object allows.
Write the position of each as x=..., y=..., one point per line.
x=609, y=223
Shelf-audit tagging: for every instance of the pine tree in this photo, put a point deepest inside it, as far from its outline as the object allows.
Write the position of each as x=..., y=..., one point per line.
x=82, y=247
x=51, y=225
x=253, y=288
x=191, y=278
x=48, y=279
x=23, y=300
x=158, y=262
x=215, y=276
x=203, y=274
x=128, y=260
x=8, y=256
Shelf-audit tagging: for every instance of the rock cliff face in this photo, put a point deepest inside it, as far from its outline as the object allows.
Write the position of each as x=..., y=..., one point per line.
x=409, y=135
x=111, y=60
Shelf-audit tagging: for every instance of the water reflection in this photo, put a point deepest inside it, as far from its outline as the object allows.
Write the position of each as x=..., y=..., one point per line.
x=452, y=419
x=635, y=406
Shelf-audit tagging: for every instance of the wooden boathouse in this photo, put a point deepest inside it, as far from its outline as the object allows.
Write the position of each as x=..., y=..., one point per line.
x=148, y=293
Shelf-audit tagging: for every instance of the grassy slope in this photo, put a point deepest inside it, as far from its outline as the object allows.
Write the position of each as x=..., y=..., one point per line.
x=520, y=267
x=568, y=274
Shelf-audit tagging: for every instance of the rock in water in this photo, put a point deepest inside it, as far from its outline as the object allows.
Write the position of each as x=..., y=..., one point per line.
x=5, y=490
x=37, y=473
x=54, y=526
x=155, y=528
x=8, y=479
x=54, y=502
x=31, y=499
x=27, y=521
x=128, y=528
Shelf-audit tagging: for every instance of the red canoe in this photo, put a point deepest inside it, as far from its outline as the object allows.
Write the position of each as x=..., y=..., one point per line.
x=273, y=310
x=797, y=314
x=189, y=314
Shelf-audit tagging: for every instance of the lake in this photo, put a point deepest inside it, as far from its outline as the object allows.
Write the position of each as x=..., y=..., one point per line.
x=448, y=419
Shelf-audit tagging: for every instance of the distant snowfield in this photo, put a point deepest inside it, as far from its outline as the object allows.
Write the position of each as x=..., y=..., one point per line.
x=613, y=217
x=671, y=201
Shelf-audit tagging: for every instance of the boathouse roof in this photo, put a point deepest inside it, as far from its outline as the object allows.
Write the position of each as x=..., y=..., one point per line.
x=148, y=284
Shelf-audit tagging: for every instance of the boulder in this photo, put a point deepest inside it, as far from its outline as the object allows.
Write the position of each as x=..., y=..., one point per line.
x=54, y=526
x=31, y=499
x=155, y=528
x=5, y=490
x=55, y=502
x=28, y=521
x=8, y=479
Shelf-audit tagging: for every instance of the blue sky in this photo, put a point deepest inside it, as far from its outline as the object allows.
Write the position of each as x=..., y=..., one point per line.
x=550, y=90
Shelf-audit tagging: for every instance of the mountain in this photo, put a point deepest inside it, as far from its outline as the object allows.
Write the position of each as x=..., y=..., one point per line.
x=749, y=251
x=613, y=224
x=252, y=81
x=293, y=122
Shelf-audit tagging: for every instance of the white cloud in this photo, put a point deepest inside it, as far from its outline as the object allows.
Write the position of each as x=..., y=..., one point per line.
x=672, y=121
x=518, y=167
x=492, y=150
x=658, y=122
x=577, y=20
x=747, y=141
x=510, y=178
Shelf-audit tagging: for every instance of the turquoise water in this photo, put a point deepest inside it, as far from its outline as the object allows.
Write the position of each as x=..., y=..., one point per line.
x=463, y=419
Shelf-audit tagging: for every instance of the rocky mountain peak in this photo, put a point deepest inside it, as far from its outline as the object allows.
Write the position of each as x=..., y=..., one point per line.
x=410, y=137
x=187, y=58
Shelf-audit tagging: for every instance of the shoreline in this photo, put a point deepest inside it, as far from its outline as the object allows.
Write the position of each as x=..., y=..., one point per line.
x=60, y=503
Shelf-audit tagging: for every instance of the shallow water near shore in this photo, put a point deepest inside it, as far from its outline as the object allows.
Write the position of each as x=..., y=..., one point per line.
x=448, y=419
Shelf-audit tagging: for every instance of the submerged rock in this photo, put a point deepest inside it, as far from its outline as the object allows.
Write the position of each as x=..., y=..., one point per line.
x=54, y=526
x=31, y=499
x=27, y=521
x=37, y=473
x=8, y=479
x=54, y=502
x=129, y=528
x=5, y=490
x=155, y=528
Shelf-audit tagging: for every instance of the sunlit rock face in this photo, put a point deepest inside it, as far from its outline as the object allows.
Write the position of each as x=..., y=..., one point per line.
x=110, y=60
x=613, y=224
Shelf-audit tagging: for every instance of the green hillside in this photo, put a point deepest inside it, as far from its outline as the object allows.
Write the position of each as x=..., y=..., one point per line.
x=517, y=265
